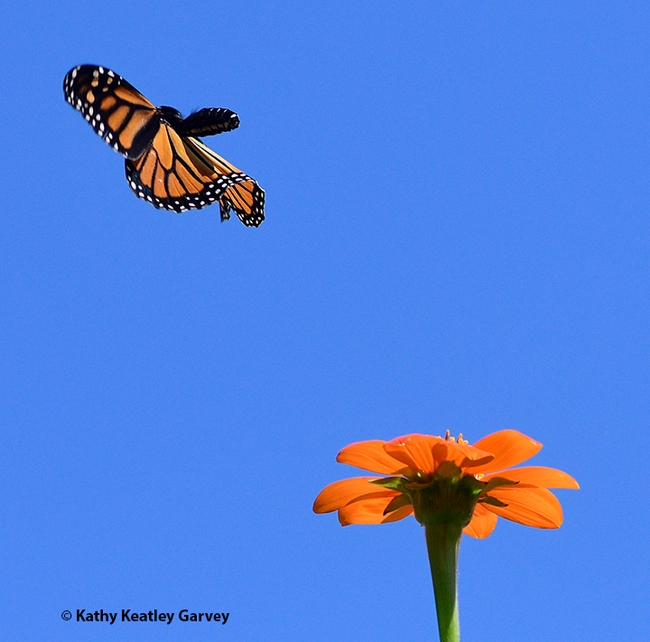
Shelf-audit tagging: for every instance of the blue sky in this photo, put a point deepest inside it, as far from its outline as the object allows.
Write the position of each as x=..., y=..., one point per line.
x=456, y=238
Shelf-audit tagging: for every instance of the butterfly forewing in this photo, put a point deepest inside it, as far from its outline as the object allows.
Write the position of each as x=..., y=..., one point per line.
x=115, y=109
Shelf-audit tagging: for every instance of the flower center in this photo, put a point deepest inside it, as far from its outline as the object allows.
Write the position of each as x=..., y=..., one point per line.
x=453, y=440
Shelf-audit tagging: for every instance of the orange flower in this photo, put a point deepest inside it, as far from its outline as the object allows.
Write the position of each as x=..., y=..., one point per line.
x=442, y=480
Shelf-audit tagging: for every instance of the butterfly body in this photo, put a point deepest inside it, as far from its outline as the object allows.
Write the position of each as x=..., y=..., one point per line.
x=166, y=163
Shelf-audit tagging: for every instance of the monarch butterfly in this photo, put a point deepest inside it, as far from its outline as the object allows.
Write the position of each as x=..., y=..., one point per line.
x=166, y=164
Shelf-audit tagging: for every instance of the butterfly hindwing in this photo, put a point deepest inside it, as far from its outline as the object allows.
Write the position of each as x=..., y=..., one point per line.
x=246, y=197
x=179, y=174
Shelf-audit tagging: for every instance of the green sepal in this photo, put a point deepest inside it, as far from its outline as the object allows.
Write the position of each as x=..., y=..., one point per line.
x=470, y=483
x=394, y=483
x=493, y=501
x=495, y=482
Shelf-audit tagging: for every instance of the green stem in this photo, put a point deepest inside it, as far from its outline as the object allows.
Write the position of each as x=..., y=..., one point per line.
x=443, y=542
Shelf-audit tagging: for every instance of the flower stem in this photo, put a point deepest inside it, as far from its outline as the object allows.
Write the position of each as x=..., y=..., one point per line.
x=443, y=542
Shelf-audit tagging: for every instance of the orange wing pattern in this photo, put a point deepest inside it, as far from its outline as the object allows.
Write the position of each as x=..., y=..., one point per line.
x=166, y=164
x=182, y=173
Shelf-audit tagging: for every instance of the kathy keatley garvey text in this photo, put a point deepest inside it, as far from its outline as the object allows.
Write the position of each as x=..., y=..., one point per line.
x=184, y=615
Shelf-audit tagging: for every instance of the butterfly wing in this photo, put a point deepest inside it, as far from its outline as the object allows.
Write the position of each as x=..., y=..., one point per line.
x=180, y=173
x=115, y=109
x=240, y=192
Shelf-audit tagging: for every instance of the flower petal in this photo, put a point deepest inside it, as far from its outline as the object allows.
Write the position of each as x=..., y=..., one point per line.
x=369, y=455
x=342, y=492
x=510, y=447
x=415, y=451
x=398, y=514
x=528, y=506
x=538, y=476
x=482, y=524
x=463, y=455
x=370, y=510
